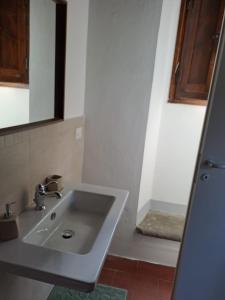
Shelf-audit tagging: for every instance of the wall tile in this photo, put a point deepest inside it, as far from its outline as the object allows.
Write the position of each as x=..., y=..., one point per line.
x=2, y=142
x=27, y=157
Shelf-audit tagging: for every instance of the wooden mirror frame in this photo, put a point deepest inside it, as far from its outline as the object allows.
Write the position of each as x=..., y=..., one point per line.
x=60, y=67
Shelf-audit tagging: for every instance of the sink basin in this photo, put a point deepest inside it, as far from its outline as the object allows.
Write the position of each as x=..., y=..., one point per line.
x=74, y=224
x=66, y=244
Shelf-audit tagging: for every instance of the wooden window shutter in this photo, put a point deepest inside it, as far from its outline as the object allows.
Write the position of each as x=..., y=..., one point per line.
x=14, y=40
x=198, y=34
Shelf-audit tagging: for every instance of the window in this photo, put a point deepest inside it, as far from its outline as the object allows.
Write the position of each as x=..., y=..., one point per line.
x=197, y=40
x=14, y=30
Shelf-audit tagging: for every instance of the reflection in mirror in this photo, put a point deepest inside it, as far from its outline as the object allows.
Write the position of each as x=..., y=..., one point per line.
x=29, y=60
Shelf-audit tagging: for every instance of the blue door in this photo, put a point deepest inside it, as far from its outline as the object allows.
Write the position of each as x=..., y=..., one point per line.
x=201, y=266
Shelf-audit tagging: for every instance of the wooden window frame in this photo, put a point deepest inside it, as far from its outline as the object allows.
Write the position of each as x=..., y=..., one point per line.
x=24, y=81
x=177, y=59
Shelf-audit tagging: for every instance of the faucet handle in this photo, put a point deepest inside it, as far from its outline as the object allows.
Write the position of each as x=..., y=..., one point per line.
x=51, y=186
x=51, y=182
x=41, y=188
x=8, y=210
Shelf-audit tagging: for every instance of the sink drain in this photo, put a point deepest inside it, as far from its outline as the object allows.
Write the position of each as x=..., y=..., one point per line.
x=68, y=233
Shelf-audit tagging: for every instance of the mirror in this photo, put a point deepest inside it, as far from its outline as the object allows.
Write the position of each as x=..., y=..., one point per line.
x=32, y=61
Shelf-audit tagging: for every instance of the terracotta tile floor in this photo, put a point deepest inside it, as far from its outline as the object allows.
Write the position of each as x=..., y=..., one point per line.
x=144, y=281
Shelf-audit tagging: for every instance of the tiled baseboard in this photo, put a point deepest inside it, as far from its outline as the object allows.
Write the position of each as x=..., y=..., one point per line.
x=166, y=207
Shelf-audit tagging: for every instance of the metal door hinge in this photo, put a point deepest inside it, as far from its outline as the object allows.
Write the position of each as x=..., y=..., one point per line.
x=26, y=63
x=177, y=71
x=26, y=3
x=190, y=4
x=216, y=37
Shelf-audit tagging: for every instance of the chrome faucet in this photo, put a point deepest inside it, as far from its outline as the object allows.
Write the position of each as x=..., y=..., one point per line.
x=41, y=193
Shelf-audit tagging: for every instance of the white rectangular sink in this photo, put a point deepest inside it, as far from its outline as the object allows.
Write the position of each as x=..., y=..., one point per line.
x=66, y=244
x=74, y=224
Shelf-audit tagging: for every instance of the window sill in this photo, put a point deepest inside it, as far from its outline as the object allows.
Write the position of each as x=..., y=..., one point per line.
x=14, y=85
x=198, y=102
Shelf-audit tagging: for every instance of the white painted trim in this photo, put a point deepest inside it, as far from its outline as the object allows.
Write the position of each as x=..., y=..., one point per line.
x=170, y=208
x=143, y=212
x=166, y=207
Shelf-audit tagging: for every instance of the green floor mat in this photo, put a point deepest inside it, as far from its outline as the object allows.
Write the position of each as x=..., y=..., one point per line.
x=101, y=292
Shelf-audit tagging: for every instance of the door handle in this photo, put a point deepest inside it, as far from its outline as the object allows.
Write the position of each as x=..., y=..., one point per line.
x=212, y=164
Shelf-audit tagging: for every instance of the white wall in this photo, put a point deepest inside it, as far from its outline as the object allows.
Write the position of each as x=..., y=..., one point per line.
x=159, y=94
x=179, y=139
x=77, y=30
x=14, y=106
x=120, y=62
x=174, y=130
